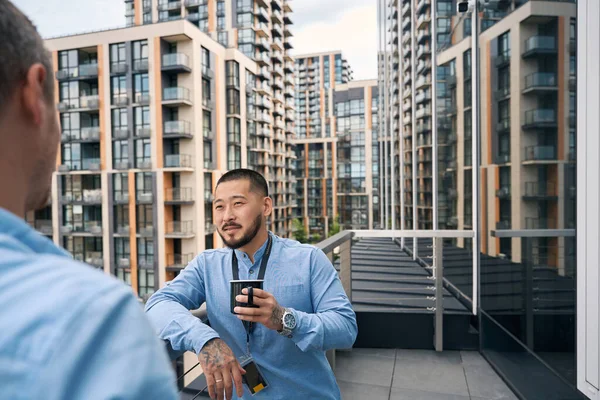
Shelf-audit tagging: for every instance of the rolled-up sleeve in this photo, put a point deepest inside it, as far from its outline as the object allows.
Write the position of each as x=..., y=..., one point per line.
x=169, y=310
x=333, y=324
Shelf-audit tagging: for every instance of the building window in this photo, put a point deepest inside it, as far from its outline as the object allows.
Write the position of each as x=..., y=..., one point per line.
x=223, y=38
x=122, y=260
x=205, y=59
x=233, y=130
x=504, y=44
x=141, y=85
x=141, y=118
x=117, y=53
x=142, y=153
x=118, y=88
x=467, y=64
x=120, y=187
x=143, y=183
x=140, y=50
x=121, y=217
x=233, y=101
x=234, y=155
x=119, y=119
x=233, y=73
x=120, y=152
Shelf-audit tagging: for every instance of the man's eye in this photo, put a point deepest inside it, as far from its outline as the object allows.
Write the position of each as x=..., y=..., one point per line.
x=237, y=203
x=218, y=207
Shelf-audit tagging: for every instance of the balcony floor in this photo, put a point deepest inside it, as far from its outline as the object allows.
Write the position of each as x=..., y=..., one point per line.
x=394, y=374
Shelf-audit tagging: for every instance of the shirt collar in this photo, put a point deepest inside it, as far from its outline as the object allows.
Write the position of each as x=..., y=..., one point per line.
x=259, y=253
x=15, y=227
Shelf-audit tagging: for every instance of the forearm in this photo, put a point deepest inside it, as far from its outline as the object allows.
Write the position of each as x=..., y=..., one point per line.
x=333, y=329
x=176, y=324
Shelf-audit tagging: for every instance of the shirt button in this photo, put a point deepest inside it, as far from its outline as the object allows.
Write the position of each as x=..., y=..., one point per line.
x=251, y=271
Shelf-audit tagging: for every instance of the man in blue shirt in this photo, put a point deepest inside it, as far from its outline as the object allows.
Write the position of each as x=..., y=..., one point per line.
x=303, y=309
x=67, y=330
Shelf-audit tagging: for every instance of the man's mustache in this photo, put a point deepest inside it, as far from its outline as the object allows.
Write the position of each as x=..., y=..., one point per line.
x=227, y=226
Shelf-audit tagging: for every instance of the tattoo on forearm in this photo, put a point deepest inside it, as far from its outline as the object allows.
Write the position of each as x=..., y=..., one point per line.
x=277, y=315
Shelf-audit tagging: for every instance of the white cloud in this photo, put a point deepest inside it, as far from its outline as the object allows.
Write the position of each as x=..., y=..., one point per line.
x=353, y=31
x=63, y=17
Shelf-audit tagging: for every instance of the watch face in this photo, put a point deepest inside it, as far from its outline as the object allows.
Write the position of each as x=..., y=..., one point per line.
x=289, y=321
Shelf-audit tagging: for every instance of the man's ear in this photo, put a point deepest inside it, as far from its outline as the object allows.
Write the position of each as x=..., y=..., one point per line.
x=32, y=91
x=268, y=206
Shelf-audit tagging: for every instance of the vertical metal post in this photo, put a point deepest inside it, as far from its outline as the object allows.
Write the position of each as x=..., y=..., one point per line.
x=475, y=151
x=401, y=130
x=346, y=267
x=438, y=270
x=526, y=256
x=434, y=138
x=414, y=123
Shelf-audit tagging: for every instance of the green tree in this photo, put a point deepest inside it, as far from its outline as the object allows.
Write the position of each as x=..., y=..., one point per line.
x=334, y=229
x=299, y=231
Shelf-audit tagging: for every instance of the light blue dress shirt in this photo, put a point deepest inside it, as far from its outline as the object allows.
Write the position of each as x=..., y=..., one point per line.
x=301, y=278
x=68, y=331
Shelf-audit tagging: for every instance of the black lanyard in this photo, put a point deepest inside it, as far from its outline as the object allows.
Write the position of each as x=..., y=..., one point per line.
x=263, y=264
x=249, y=326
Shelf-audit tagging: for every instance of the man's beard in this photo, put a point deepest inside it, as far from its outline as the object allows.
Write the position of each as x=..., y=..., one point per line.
x=247, y=238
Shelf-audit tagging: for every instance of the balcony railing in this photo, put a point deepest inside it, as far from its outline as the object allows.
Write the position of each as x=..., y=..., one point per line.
x=540, y=223
x=179, y=261
x=178, y=61
x=178, y=161
x=179, y=195
x=143, y=196
x=503, y=192
x=539, y=45
x=43, y=226
x=176, y=94
x=540, y=80
x=537, y=190
x=169, y=5
x=178, y=128
x=179, y=228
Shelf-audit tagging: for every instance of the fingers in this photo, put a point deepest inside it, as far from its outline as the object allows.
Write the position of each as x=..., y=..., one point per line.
x=248, y=311
x=227, y=380
x=261, y=294
x=256, y=300
x=236, y=373
x=210, y=382
x=219, y=385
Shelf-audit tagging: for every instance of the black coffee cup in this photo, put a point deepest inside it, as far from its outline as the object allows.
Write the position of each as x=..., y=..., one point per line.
x=236, y=289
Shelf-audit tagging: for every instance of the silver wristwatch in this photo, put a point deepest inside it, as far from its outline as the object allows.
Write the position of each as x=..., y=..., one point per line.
x=289, y=323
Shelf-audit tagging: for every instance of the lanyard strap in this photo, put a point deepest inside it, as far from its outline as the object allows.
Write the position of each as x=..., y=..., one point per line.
x=263, y=264
x=249, y=326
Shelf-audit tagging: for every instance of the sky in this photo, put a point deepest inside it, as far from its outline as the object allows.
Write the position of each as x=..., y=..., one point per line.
x=319, y=25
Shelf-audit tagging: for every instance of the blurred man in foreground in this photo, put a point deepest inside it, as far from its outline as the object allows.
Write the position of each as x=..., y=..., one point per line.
x=68, y=331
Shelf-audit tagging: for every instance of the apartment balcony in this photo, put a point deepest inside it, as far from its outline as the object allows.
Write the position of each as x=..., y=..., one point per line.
x=423, y=36
x=423, y=81
x=196, y=3
x=540, y=223
x=538, y=191
x=539, y=46
x=209, y=165
x=84, y=103
x=140, y=65
x=424, y=127
x=179, y=230
x=502, y=158
x=82, y=72
x=406, y=23
x=540, y=119
x=504, y=224
x=169, y=5
x=119, y=68
x=88, y=228
x=144, y=197
x=178, y=129
x=93, y=258
x=451, y=81
x=142, y=99
x=85, y=197
x=208, y=104
x=502, y=93
x=539, y=153
x=207, y=133
x=502, y=59
x=421, y=5
x=540, y=82
x=423, y=112
x=120, y=197
x=503, y=126
x=145, y=230
x=277, y=44
x=180, y=196
x=184, y=161
x=406, y=9
x=423, y=52
x=423, y=21
x=176, y=96
x=503, y=193
x=423, y=97
x=176, y=63
x=177, y=262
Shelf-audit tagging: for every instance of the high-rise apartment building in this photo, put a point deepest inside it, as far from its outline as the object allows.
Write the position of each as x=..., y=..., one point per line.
x=334, y=125
x=527, y=119
x=261, y=30
x=151, y=117
x=317, y=75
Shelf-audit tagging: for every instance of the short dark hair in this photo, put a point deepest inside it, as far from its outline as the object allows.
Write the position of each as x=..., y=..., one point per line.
x=258, y=184
x=21, y=48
